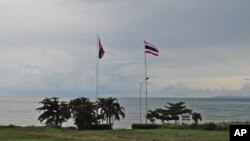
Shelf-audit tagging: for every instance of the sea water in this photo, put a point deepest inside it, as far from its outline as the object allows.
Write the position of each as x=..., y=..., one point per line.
x=21, y=111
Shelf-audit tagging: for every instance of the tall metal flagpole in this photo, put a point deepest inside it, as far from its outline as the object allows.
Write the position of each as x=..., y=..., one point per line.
x=97, y=57
x=140, y=103
x=146, y=85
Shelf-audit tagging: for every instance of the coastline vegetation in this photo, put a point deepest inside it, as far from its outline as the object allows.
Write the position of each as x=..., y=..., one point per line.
x=86, y=114
x=168, y=132
x=101, y=114
x=221, y=126
x=172, y=111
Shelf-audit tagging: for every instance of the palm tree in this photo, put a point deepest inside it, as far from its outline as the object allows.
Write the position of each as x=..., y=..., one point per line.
x=196, y=117
x=110, y=110
x=83, y=112
x=55, y=112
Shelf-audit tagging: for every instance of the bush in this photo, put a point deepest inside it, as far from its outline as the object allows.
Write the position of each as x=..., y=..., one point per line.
x=174, y=126
x=206, y=126
x=209, y=126
x=9, y=126
x=144, y=126
x=97, y=127
x=239, y=123
x=71, y=128
x=194, y=126
x=226, y=125
x=223, y=126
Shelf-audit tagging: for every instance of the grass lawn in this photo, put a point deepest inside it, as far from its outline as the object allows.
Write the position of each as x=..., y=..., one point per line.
x=51, y=134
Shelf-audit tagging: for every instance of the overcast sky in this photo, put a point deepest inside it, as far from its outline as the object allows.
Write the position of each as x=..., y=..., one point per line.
x=48, y=47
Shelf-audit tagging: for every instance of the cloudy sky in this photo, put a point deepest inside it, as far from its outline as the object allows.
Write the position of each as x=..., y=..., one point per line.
x=48, y=47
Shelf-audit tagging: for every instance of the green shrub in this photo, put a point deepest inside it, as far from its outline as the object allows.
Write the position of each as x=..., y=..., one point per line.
x=209, y=126
x=9, y=126
x=226, y=125
x=239, y=123
x=206, y=126
x=97, y=127
x=174, y=126
x=144, y=126
x=71, y=128
x=194, y=126
x=223, y=126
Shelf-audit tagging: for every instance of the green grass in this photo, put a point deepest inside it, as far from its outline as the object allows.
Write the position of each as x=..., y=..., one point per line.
x=52, y=134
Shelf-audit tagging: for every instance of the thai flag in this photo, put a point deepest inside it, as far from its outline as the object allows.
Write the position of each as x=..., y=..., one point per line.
x=151, y=49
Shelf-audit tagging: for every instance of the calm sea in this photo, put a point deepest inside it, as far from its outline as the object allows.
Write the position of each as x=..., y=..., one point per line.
x=21, y=110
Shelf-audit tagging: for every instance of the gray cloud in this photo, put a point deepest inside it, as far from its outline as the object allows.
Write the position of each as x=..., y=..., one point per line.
x=49, y=47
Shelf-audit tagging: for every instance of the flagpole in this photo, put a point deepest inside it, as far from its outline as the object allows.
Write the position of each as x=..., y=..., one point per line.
x=149, y=48
x=97, y=73
x=146, y=85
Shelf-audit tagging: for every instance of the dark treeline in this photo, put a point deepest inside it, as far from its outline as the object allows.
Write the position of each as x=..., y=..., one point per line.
x=85, y=113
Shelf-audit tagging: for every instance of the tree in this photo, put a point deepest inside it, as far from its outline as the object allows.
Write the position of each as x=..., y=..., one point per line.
x=151, y=116
x=170, y=112
x=175, y=109
x=162, y=115
x=196, y=117
x=55, y=112
x=110, y=110
x=83, y=112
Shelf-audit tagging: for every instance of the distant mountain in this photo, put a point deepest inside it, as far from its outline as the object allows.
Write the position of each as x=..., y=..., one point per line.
x=231, y=96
